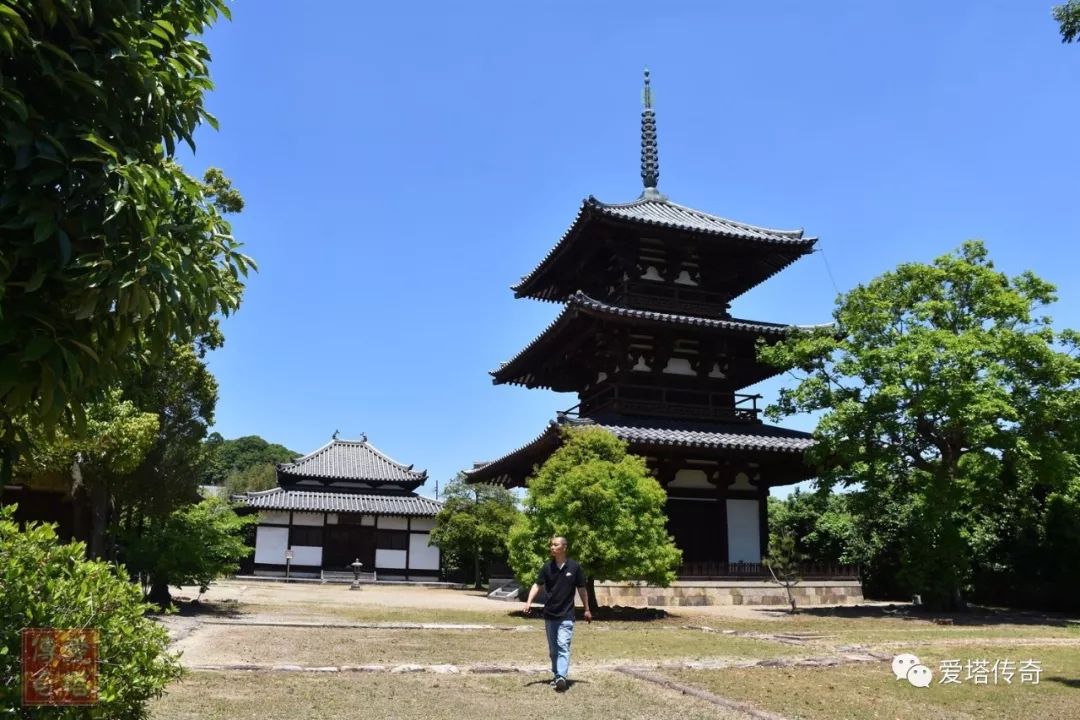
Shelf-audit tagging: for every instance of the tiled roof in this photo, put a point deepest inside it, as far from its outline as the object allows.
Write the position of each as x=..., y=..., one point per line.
x=350, y=460
x=700, y=435
x=321, y=501
x=580, y=302
x=643, y=433
x=664, y=213
x=658, y=211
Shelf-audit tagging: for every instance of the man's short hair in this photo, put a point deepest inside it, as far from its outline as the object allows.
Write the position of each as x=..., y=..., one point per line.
x=561, y=538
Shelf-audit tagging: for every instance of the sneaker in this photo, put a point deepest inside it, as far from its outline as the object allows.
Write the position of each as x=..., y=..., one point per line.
x=552, y=683
x=560, y=684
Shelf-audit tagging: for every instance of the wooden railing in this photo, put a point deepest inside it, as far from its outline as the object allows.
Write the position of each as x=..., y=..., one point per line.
x=635, y=399
x=757, y=571
x=672, y=298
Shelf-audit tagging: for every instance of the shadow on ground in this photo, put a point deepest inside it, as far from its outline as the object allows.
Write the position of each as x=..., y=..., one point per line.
x=614, y=613
x=1067, y=682
x=188, y=607
x=974, y=616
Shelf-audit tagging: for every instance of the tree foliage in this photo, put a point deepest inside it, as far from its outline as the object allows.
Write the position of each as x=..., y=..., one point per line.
x=178, y=387
x=242, y=456
x=192, y=546
x=783, y=562
x=46, y=584
x=945, y=394
x=472, y=527
x=608, y=506
x=109, y=250
x=251, y=479
x=1068, y=17
x=821, y=524
x=90, y=465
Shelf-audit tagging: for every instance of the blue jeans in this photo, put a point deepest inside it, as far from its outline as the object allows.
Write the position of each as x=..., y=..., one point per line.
x=559, y=634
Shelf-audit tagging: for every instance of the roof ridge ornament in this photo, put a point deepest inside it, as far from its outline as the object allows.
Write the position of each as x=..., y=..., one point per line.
x=650, y=153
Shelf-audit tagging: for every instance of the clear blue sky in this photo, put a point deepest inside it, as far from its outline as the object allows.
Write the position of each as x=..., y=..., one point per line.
x=404, y=164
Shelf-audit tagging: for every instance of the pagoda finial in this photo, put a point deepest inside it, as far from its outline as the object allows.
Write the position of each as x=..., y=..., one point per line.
x=650, y=155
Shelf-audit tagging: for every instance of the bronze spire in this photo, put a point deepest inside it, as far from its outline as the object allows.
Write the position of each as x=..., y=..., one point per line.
x=650, y=156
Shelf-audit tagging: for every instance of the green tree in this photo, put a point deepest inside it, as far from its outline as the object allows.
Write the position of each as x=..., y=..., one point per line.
x=192, y=546
x=115, y=441
x=43, y=584
x=178, y=387
x=241, y=454
x=608, y=506
x=472, y=526
x=261, y=476
x=783, y=562
x=109, y=250
x=820, y=522
x=942, y=389
x=1068, y=18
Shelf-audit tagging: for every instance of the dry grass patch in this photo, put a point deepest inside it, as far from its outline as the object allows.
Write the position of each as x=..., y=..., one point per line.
x=501, y=614
x=871, y=690
x=236, y=644
x=873, y=630
x=263, y=696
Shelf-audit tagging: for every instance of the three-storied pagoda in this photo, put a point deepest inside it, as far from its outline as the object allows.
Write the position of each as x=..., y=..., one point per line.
x=647, y=342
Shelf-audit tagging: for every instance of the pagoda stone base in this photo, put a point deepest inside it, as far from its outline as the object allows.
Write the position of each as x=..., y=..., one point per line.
x=728, y=592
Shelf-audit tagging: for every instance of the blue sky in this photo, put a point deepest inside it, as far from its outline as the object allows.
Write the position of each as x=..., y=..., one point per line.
x=404, y=164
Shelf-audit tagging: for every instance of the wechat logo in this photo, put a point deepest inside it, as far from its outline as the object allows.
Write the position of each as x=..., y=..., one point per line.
x=907, y=666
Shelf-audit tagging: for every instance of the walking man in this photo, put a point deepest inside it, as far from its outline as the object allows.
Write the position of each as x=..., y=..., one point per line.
x=559, y=577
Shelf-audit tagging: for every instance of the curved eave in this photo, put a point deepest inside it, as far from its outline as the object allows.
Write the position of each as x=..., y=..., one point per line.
x=750, y=440
x=406, y=484
x=516, y=370
x=531, y=284
x=513, y=468
x=345, y=458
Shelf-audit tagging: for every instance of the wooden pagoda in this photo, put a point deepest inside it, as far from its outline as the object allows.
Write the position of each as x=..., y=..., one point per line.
x=647, y=341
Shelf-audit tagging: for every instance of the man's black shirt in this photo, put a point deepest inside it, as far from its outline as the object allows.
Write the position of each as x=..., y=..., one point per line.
x=560, y=584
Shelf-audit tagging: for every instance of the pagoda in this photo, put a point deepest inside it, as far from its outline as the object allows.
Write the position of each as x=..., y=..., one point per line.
x=647, y=341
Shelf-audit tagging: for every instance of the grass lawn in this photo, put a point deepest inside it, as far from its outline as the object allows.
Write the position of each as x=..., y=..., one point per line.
x=598, y=642
x=266, y=696
x=851, y=690
x=871, y=690
x=384, y=614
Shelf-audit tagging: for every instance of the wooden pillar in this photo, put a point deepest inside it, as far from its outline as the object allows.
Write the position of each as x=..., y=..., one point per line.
x=763, y=517
x=722, y=477
x=408, y=544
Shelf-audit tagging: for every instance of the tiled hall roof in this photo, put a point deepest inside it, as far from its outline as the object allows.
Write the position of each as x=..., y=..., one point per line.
x=349, y=460
x=322, y=501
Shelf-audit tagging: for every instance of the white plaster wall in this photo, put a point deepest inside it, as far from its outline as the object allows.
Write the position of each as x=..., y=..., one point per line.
x=367, y=520
x=744, y=538
x=270, y=544
x=393, y=522
x=742, y=482
x=394, y=559
x=331, y=518
x=678, y=366
x=422, y=523
x=274, y=517
x=306, y=555
x=421, y=555
x=685, y=279
x=301, y=518
x=688, y=478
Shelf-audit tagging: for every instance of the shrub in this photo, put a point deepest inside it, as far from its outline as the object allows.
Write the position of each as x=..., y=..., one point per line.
x=47, y=584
